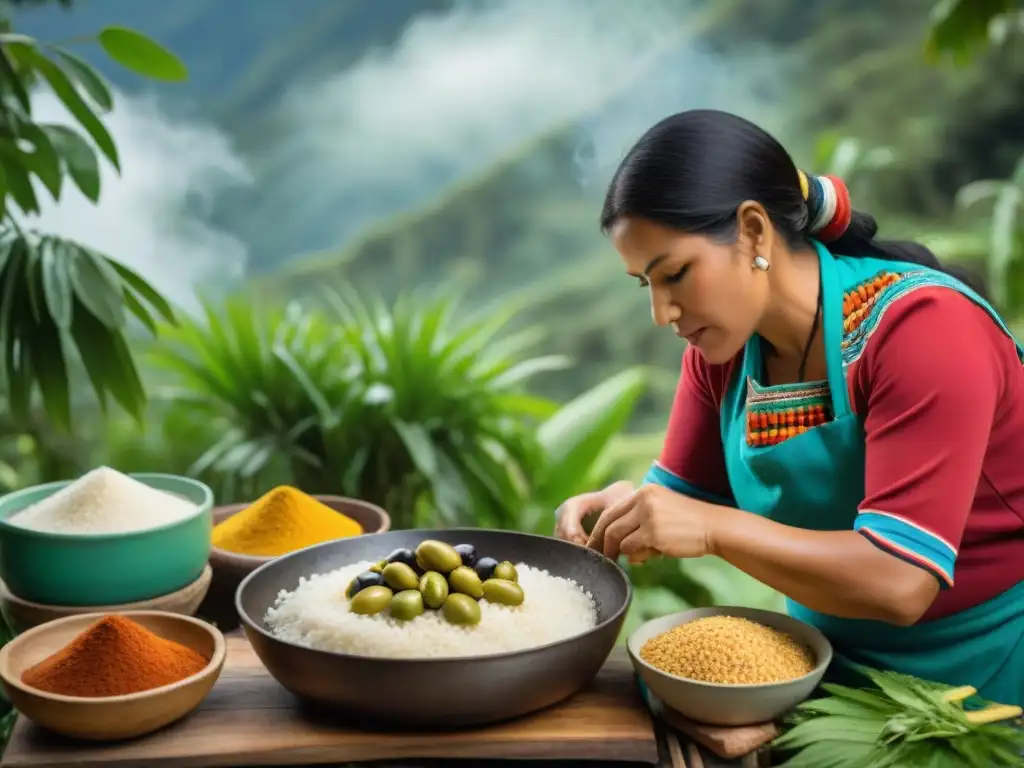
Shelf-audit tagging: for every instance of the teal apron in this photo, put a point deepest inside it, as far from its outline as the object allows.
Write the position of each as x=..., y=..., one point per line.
x=816, y=480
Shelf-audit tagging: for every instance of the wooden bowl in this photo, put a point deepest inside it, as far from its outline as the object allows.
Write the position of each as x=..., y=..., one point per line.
x=115, y=717
x=22, y=615
x=229, y=568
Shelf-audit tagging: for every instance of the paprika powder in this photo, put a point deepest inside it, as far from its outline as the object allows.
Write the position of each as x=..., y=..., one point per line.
x=114, y=657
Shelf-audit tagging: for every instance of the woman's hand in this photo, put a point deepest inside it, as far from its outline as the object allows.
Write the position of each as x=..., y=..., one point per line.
x=570, y=515
x=654, y=521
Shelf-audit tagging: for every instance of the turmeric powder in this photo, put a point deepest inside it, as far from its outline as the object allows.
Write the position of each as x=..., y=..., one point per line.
x=282, y=521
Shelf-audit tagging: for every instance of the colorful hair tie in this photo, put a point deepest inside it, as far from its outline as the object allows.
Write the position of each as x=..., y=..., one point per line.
x=829, y=208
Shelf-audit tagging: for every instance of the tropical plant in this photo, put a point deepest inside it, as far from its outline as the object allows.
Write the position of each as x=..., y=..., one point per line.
x=1006, y=233
x=417, y=406
x=900, y=721
x=55, y=294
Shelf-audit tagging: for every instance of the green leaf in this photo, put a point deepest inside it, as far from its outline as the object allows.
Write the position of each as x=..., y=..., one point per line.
x=142, y=55
x=50, y=369
x=107, y=361
x=420, y=447
x=136, y=282
x=57, y=287
x=90, y=80
x=96, y=286
x=13, y=81
x=44, y=162
x=78, y=156
x=138, y=309
x=33, y=280
x=9, y=326
x=67, y=93
x=581, y=431
x=19, y=185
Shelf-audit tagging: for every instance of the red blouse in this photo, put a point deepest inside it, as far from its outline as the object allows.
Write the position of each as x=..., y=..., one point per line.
x=940, y=389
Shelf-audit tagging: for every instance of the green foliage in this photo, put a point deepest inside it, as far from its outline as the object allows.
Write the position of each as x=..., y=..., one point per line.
x=414, y=406
x=1006, y=227
x=959, y=28
x=900, y=721
x=57, y=295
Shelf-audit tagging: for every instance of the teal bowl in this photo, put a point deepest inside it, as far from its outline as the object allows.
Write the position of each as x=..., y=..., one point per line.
x=109, y=568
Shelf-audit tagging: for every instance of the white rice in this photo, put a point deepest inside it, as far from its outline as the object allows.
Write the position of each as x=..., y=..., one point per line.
x=103, y=501
x=316, y=614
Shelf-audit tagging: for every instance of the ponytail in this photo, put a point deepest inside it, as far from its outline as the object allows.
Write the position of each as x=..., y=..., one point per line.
x=832, y=220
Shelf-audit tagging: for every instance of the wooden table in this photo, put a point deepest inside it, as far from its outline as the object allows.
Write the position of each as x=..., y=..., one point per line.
x=249, y=719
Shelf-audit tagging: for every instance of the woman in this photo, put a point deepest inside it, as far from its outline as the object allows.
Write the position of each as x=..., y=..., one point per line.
x=849, y=422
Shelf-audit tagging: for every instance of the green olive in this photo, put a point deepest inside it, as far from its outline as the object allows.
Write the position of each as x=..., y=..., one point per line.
x=399, y=576
x=503, y=591
x=361, y=582
x=464, y=579
x=407, y=604
x=379, y=566
x=437, y=556
x=371, y=600
x=434, y=589
x=505, y=571
x=461, y=609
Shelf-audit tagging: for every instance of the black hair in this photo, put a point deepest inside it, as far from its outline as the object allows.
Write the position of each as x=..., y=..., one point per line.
x=692, y=171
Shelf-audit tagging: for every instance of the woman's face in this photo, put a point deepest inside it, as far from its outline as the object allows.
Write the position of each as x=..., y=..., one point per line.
x=707, y=291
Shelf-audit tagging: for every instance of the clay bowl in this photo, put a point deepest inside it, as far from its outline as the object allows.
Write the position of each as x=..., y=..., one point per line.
x=116, y=717
x=22, y=615
x=229, y=568
x=438, y=693
x=730, y=705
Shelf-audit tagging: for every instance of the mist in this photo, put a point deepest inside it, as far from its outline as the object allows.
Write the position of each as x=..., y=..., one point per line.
x=460, y=91
x=154, y=216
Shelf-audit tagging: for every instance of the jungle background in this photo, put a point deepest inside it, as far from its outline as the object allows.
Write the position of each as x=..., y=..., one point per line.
x=356, y=249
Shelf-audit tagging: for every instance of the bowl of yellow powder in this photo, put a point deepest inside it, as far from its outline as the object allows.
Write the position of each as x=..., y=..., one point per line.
x=282, y=521
x=729, y=666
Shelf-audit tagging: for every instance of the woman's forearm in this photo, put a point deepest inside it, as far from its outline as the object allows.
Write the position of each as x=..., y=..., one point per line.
x=835, y=572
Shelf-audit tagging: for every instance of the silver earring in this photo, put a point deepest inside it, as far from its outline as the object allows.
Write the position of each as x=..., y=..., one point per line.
x=760, y=262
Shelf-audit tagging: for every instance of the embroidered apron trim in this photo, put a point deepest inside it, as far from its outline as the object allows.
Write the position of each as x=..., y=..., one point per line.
x=777, y=413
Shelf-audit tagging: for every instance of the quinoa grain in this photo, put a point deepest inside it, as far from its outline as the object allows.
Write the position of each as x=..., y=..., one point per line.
x=728, y=650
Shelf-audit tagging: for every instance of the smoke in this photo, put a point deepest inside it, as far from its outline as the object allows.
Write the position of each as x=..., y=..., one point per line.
x=155, y=216
x=462, y=90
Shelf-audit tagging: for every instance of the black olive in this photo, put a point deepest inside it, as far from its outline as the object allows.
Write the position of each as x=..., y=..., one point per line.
x=362, y=581
x=404, y=556
x=485, y=567
x=468, y=553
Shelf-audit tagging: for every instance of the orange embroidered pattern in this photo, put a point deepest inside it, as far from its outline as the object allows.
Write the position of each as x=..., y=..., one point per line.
x=858, y=302
x=775, y=414
x=778, y=413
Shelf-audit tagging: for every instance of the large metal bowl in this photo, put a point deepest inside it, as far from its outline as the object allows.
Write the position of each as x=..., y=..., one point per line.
x=438, y=693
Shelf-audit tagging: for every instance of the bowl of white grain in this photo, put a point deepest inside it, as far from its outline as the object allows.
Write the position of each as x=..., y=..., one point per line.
x=105, y=538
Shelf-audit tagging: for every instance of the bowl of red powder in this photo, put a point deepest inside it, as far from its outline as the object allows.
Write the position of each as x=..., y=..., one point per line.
x=106, y=677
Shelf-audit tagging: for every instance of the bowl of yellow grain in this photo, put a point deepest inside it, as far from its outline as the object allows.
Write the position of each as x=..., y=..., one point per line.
x=729, y=666
x=282, y=521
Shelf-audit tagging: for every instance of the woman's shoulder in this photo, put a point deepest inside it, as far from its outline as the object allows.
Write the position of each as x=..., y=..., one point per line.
x=924, y=308
x=934, y=335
